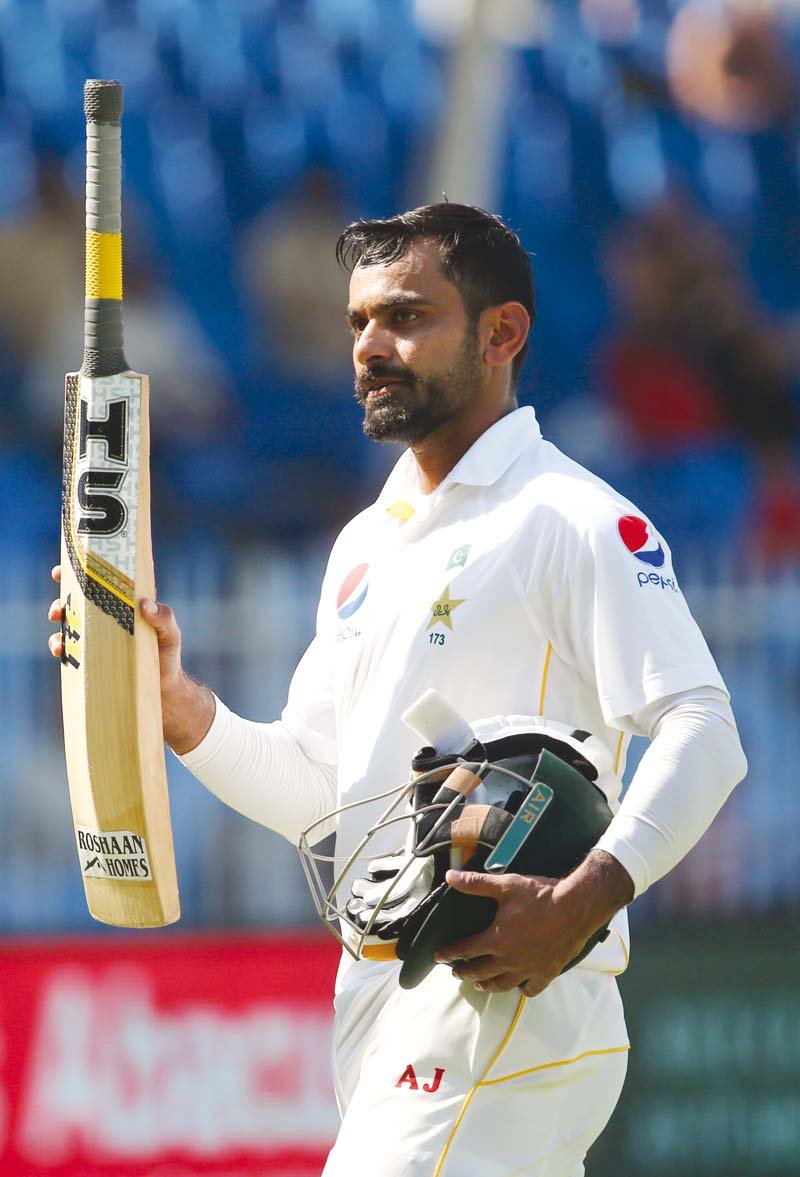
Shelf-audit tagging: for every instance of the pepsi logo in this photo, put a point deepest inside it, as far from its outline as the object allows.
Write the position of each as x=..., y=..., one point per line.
x=352, y=592
x=641, y=540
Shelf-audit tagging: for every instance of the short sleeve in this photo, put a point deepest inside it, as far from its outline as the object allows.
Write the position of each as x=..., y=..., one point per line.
x=628, y=624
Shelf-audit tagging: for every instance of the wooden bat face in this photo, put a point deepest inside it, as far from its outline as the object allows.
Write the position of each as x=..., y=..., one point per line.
x=110, y=677
x=110, y=688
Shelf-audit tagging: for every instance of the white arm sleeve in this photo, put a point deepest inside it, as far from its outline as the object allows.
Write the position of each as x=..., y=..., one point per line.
x=261, y=770
x=694, y=761
x=282, y=774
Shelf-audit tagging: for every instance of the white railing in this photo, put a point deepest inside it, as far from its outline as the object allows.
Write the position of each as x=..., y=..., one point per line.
x=246, y=622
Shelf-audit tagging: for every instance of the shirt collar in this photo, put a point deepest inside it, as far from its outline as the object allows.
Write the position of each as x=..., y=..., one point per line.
x=483, y=464
x=496, y=449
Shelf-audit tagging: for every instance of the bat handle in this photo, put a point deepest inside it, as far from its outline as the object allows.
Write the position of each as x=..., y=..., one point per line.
x=103, y=353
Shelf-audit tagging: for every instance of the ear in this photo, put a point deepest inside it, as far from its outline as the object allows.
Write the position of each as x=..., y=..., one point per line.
x=503, y=331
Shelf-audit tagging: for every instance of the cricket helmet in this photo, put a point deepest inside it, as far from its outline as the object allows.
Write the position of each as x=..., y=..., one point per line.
x=518, y=794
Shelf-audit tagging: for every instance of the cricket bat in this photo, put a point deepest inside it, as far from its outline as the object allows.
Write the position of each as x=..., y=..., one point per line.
x=110, y=694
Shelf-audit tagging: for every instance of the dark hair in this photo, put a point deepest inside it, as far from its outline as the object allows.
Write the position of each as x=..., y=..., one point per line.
x=480, y=255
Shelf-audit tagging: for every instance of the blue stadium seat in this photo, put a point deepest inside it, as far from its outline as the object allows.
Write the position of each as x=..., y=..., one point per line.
x=308, y=69
x=214, y=64
x=161, y=16
x=30, y=494
x=276, y=141
x=188, y=173
x=636, y=165
x=17, y=162
x=40, y=74
x=729, y=176
x=131, y=54
x=410, y=86
x=343, y=22
x=357, y=137
x=538, y=170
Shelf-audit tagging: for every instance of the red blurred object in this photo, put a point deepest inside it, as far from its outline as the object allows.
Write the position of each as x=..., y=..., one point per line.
x=776, y=514
x=166, y=1056
x=666, y=401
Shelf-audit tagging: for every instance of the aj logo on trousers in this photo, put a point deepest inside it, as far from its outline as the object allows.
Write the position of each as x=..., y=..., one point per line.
x=409, y=1077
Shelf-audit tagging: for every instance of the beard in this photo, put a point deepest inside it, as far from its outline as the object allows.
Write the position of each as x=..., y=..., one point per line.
x=418, y=404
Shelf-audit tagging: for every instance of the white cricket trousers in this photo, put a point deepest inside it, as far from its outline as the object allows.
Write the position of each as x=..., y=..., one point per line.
x=445, y=1081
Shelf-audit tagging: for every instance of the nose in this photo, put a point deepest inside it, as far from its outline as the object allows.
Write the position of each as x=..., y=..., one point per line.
x=374, y=343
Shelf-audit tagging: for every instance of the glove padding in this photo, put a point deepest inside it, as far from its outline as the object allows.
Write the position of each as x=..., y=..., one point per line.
x=398, y=883
x=392, y=902
x=380, y=900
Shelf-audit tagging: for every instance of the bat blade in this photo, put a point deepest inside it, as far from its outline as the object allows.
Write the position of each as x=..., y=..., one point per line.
x=110, y=691
x=110, y=677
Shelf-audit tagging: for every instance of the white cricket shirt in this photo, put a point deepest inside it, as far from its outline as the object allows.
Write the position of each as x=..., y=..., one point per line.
x=523, y=584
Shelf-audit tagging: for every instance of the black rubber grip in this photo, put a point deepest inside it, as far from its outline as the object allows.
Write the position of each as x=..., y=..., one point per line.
x=103, y=340
x=103, y=363
x=102, y=101
x=103, y=328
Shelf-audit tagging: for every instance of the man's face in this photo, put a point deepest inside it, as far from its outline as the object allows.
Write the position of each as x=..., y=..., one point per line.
x=415, y=352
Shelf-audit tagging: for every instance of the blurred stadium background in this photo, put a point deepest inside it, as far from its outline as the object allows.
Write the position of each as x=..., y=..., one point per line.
x=647, y=153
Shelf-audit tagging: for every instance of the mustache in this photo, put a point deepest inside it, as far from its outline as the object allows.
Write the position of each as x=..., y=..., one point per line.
x=369, y=376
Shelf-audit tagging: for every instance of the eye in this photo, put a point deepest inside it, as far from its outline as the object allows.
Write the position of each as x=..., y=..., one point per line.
x=405, y=315
x=356, y=326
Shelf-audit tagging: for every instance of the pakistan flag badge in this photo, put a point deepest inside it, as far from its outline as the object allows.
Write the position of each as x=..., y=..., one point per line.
x=459, y=557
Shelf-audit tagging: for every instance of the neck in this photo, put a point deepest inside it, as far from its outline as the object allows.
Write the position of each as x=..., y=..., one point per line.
x=440, y=451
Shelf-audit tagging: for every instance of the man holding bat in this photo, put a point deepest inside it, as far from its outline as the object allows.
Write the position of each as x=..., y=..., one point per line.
x=494, y=569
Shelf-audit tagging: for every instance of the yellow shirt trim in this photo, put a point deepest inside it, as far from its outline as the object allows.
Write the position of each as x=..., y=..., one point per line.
x=479, y=1083
x=564, y=1062
x=545, y=673
x=619, y=972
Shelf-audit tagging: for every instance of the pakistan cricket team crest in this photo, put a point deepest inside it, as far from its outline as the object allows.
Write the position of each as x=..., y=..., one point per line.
x=442, y=610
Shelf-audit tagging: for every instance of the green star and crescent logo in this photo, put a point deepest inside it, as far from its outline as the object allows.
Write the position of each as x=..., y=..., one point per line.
x=443, y=609
x=459, y=557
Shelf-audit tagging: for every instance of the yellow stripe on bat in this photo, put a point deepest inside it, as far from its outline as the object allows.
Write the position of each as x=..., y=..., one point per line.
x=84, y=557
x=103, y=265
x=99, y=580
